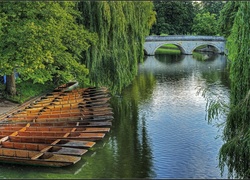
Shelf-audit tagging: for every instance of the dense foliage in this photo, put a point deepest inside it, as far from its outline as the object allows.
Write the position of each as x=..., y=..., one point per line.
x=42, y=41
x=173, y=17
x=235, y=153
x=226, y=18
x=121, y=27
x=213, y=7
x=205, y=24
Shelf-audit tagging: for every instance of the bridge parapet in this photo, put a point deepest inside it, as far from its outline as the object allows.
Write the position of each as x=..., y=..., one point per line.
x=185, y=38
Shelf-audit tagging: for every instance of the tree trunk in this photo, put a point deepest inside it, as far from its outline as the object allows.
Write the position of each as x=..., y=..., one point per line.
x=11, y=84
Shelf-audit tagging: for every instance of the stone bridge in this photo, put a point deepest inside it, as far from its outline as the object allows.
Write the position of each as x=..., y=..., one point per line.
x=187, y=44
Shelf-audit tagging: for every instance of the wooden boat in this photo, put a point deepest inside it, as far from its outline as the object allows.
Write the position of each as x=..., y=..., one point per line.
x=68, y=124
x=49, y=116
x=89, y=136
x=44, y=148
x=53, y=141
x=26, y=157
x=61, y=119
x=97, y=110
x=58, y=129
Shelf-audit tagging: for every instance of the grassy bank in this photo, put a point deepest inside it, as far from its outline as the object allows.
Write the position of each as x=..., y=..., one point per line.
x=168, y=49
x=26, y=90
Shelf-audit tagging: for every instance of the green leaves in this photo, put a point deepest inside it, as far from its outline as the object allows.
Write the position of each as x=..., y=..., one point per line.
x=235, y=152
x=205, y=24
x=121, y=28
x=38, y=38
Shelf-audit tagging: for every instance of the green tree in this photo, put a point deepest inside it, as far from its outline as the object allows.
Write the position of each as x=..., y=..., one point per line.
x=226, y=18
x=121, y=27
x=213, y=7
x=173, y=17
x=235, y=152
x=205, y=24
x=42, y=42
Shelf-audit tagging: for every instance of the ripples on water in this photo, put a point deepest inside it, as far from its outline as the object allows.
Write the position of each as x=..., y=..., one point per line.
x=183, y=143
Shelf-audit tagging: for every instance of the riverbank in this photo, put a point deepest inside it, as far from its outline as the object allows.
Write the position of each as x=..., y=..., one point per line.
x=6, y=106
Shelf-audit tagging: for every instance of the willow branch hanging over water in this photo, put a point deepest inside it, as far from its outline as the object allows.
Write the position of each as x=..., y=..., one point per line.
x=121, y=27
x=235, y=153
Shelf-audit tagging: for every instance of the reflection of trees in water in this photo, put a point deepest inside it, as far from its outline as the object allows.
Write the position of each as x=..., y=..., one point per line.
x=205, y=56
x=130, y=137
x=169, y=58
x=186, y=65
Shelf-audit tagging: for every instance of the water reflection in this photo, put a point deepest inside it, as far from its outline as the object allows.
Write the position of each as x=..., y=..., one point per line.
x=183, y=144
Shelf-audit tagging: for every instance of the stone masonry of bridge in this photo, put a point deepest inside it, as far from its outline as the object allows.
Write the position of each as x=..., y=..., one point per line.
x=187, y=44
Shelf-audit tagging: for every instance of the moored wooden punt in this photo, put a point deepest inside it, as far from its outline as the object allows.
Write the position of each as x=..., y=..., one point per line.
x=58, y=129
x=60, y=119
x=97, y=110
x=62, y=135
x=77, y=124
x=26, y=157
x=81, y=115
x=53, y=141
x=44, y=148
x=72, y=104
x=59, y=124
x=65, y=107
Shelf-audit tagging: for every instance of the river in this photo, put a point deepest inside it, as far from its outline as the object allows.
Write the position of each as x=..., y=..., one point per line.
x=160, y=129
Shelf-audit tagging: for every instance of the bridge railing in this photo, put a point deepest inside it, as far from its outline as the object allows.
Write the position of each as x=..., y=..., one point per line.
x=184, y=38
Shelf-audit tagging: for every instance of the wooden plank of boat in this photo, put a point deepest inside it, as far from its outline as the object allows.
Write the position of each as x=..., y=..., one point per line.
x=75, y=112
x=86, y=118
x=71, y=115
x=76, y=109
x=70, y=129
x=75, y=118
x=53, y=104
x=59, y=124
x=64, y=114
x=59, y=129
x=36, y=158
x=62, y=135
x=102, y=110
x=53, y=140
x=76, y=106
x=82, y=100
x=73, y=108
x=44, y=148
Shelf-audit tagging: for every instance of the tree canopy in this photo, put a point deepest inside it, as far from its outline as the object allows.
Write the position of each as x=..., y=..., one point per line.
x=173, y=17
x=121, y=27
x=42, y=41
x=205, y=24
x=235, y=152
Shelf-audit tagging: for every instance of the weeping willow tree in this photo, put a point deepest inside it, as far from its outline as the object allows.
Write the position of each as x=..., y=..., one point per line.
x=226, y=19
x=121, y=27
x=235, y=153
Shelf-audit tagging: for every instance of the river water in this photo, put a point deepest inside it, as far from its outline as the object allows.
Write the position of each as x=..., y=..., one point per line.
x=159, y=129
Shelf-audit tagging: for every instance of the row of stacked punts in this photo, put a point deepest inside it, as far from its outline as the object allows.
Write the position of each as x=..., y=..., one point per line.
x=57, y=129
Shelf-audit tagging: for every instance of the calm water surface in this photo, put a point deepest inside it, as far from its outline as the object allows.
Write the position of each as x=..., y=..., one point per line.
x=159, y=128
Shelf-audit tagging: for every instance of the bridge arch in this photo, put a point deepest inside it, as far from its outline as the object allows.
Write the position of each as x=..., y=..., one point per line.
x=187, y=44
x=182, y=49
